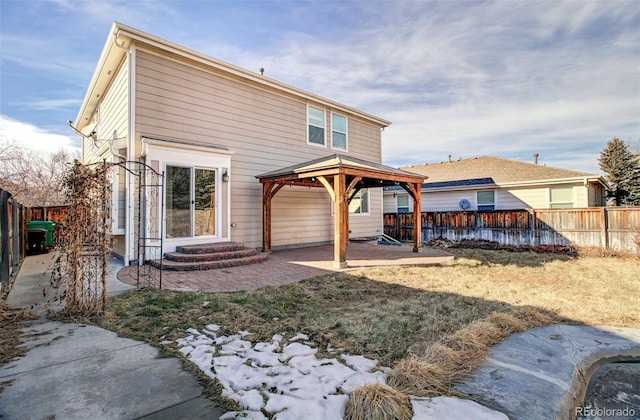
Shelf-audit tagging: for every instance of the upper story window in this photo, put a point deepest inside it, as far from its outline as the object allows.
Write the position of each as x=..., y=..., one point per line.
x=338, y=131
x=560, y=197
x=402, y=204
x=486, y=200
x=360, y=202
x=316, y=126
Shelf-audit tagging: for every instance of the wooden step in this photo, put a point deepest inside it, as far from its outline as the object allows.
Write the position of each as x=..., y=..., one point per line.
x=209, y=265
x=213, y=256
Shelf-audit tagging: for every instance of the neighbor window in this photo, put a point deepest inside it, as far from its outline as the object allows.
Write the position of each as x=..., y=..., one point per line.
x=486, y=200
x=338, y=132
x=316, y=124
x=402, y=203
x=560, y=197
x=360, y=202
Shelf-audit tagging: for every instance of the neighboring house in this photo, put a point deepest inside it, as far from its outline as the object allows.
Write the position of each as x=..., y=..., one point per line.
x=491, y=183
x=212, y=128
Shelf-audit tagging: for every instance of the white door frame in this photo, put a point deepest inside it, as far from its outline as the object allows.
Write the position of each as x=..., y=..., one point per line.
x=169, y=153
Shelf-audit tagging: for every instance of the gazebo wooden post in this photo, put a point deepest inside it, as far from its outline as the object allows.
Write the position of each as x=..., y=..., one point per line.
x=417, y=218
x=340, y=221
x=266, y=216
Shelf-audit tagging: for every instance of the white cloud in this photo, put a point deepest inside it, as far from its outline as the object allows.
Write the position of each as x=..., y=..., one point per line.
x=463, y=78
x=50, y=104
x=39, y=140
x=501, y=78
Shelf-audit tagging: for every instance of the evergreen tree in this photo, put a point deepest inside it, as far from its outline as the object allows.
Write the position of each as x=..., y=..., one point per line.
x=623, y=171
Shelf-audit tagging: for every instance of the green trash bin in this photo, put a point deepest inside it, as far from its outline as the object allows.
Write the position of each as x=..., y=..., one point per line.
x=47, y=226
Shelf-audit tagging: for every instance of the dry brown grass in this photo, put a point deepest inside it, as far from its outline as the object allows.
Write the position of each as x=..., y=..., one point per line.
x=432, y=371
x=589, y=290
x=10, y=324
x=378, y=402
x=440, y=365
x=432, y=324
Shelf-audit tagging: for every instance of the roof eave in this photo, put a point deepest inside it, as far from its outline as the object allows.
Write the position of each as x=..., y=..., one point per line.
x=554, y=181
x=110, y=58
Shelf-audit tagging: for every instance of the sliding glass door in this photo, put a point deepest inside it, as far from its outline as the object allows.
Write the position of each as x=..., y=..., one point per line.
x=205, y=202
x=191, y=202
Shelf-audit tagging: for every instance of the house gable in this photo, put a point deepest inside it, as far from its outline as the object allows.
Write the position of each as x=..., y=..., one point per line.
x=174, y=95
x=515, y=185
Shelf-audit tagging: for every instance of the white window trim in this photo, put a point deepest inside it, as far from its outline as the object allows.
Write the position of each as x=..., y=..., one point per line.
x=115, y=194
x=324, y=118
x=574, y=199
x=408, y=206
x=495, y=199
x=368, y=212
x=346, y=135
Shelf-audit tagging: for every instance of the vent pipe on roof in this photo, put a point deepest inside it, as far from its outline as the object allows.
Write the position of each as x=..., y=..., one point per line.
x=535, y=158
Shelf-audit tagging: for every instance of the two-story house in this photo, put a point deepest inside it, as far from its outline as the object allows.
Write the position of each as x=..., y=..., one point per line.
x=211, y=130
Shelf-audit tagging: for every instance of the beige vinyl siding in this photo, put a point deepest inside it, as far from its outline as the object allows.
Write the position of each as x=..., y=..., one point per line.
x=539, y=197
x=582, y=196
x=507, y=200
x=389, y=203
x=264, y=130
x=368, y=225
x=294, y=206
x=595, y=194
x=111, y=116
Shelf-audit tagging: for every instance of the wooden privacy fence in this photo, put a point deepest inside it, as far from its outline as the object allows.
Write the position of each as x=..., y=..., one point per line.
x=607, y=227
x=12, y=238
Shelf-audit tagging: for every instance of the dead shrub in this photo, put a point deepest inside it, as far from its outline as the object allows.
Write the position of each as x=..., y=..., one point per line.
x=79, y=277
x=507, y=323
x=532, y=317
x=456, y=355
x=378, y=402
x=416, y=376
x=10, y=324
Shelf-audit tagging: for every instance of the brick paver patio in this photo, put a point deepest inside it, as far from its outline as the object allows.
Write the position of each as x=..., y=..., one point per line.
x=290, y=266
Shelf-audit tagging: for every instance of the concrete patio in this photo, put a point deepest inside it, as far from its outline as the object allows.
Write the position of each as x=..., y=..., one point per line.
x=290, y=266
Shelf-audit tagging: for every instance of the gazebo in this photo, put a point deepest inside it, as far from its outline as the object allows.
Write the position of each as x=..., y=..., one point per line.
x=342, y=177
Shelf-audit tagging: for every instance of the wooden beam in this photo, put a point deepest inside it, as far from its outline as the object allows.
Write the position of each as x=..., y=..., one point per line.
x=266, y=216
x=417, y=218
x=340, y=222
x=327, y=185
x=269, y=189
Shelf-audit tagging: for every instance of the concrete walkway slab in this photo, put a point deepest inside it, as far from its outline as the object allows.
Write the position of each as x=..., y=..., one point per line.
x=33, y=277
x=543, y=373
x=77, y=372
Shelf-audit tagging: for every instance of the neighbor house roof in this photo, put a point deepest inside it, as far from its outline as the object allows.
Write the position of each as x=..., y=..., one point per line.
x=121, y=38
x=502, y=172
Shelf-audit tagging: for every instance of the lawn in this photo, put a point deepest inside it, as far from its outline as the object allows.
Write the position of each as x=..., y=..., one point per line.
x=394, y=313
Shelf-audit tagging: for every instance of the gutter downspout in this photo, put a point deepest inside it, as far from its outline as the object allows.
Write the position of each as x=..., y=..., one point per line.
x=129, y=200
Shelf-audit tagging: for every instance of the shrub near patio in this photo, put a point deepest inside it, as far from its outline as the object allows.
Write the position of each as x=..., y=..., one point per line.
x=395, y=314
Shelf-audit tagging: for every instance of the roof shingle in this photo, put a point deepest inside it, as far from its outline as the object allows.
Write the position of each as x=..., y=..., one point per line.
x=499, y=169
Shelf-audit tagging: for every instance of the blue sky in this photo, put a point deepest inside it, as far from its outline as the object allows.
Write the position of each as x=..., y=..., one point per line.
x=460, y=78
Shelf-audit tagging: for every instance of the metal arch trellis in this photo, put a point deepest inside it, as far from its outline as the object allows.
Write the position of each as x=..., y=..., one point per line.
x=148, y=223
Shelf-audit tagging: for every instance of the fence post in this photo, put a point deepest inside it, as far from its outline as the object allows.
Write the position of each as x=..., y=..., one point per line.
x=4, y=243
x=532, y=227
x=605, y=227
x=16, y=237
